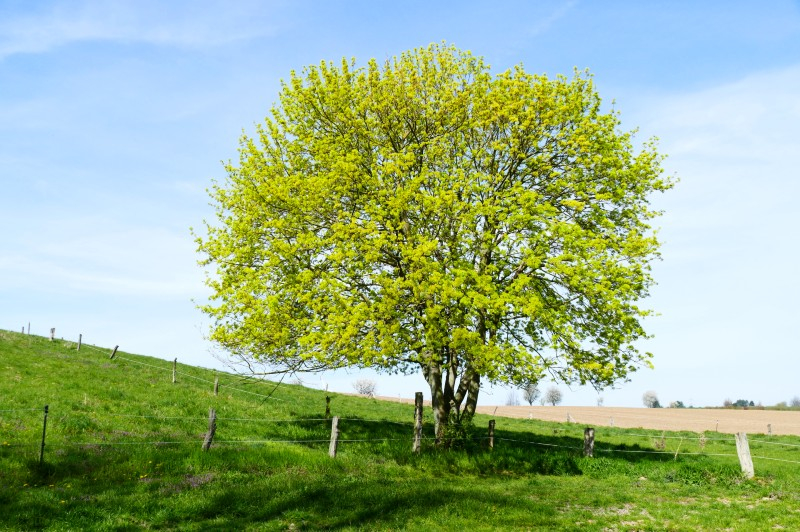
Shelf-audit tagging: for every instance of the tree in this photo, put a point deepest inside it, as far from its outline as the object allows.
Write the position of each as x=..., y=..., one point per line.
x=365, y=387
x=553, y=396
x=650, y=399
x=795, y=402
x=425, y=215
x=531, y=392
x=511, y=399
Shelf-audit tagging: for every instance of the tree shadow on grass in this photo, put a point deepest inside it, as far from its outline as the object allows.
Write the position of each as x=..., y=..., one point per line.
x=341, y=503
x=280, y=485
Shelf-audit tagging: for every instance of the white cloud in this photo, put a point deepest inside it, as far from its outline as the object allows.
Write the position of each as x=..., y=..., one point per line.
x=547, y=22
x=191, y=24
x=92, y=256
x=727, y=290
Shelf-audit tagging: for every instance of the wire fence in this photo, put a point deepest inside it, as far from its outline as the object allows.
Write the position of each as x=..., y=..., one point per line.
x=352, y=422
x=608, y=448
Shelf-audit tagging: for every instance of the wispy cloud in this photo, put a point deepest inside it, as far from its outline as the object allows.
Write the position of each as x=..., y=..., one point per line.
x=756, y=118
x=547, y=22
x=93, y=256
x=185, y=24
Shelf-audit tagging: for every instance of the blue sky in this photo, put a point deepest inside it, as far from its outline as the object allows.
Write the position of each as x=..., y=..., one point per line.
x=116, y=115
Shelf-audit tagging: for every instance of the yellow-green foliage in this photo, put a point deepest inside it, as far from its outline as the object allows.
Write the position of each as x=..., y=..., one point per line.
x=423, y=213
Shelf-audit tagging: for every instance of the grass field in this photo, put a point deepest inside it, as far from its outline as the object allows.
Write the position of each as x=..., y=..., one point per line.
x=123, y=453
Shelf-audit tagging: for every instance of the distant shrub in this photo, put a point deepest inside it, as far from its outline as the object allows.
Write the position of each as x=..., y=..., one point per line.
x=365, y=387
x=553, y=396
x=530, y=392
x=650, y=399
x=512, y=399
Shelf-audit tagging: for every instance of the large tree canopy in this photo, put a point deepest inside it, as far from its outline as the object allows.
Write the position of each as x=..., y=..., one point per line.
x=425, y=215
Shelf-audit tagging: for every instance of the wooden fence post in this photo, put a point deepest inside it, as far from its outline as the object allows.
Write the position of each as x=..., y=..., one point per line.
x=212, y=428
x=52, y=333
x=743, y=450
x=216, y=385
x=769, y=429
x=23, y=329
x=491, y=434
x=334, y=437
x=588, y=441
x=327, y=406
x=114, y=352
x=80, y=339
x=174, y=369
x=417, y=422
x=29, y=328
x=44, y=432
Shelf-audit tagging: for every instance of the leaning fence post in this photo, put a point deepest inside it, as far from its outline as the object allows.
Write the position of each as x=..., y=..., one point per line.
x=216, y=385
x=334, y=437
x=588, y=441
x=417, y=422
x=114, y=352
x=174, y=369
x=212, y=428
x=491, y=434
x=44, y=432
x=743, y=450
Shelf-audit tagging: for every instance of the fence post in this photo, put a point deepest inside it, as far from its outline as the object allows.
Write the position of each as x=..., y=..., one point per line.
x=44, y=432
x=769, y=429
x=29, y=328
x=216, y=385
x=417, y=422
x=327, y=406
x=334, y=437
x=174, y=369
x=80, y=339
x=588, y=441
x=491, y=434
x=212, y=428
x=114, y=352
x=52, y=333
x=743, y=450
x=23, y=329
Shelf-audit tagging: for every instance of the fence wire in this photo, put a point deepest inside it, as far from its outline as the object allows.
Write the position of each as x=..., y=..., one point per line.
x=369, y=440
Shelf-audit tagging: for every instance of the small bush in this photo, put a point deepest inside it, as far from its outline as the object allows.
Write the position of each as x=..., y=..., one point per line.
x=365, y=387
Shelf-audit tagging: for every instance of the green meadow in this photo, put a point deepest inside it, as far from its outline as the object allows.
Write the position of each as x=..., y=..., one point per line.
x=123, y=452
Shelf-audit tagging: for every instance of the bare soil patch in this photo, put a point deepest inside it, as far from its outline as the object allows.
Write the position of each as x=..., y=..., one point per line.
x=675, y=419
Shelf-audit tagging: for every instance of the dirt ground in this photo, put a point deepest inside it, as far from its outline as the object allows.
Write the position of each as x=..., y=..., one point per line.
x=728, y=421
x=691, y=419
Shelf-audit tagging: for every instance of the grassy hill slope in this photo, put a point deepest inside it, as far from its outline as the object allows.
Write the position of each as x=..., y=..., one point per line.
x=123, y=451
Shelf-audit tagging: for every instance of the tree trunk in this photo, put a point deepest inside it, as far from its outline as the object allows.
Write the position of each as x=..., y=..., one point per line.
x=440, y=407
x=474, y=388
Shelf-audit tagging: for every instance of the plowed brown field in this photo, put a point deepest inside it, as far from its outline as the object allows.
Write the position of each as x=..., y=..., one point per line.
x=691, y=419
